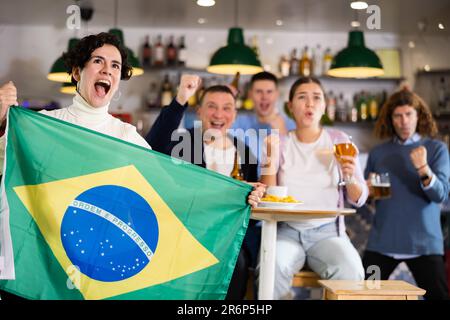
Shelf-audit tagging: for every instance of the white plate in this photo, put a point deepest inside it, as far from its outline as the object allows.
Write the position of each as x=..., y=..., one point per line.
x=284, y=205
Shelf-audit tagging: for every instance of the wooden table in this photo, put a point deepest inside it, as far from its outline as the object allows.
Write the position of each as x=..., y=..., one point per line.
x=370, y=290
x=270, y=217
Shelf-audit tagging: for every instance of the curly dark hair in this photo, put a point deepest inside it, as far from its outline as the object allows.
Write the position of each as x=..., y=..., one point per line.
x=81, y=53
x=426, y=125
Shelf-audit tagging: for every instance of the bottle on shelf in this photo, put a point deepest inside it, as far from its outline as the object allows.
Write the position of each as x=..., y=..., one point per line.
x=284, y=66
x=362, y=107
x=305, y=64
x=373, y=108
x=182, y=53
x=354, y=109
x=247, y=103
x=331, y=107
x=201, y=89
x=294, y=63
x=327, y=59
x=166, y=92
x=341, y=109
x=171, y=53
x=152, y=97
x=317, y=61
x=193, y=100
x=237, y=173
x=147, y=53
x=235, y=84
x=159, y=53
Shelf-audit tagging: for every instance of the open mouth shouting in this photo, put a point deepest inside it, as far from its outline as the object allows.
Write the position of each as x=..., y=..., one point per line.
x=102, y=87
x=219, y=125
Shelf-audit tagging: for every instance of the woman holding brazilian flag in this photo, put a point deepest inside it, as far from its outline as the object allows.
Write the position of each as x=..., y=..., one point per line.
x=96, y=213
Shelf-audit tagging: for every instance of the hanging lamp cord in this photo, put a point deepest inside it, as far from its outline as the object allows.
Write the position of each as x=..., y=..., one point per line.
x=236, y=13
x=116, y=5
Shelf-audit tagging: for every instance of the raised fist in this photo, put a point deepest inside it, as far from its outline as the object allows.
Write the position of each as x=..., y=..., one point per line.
x=188, y=86
x=8, y=97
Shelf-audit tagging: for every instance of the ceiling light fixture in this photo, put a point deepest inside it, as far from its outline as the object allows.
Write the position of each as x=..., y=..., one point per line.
x=356, y=60
x=359, y=5
x=206, y=3
x=235, y=56
x=441, y=26
x=58, y=71
x=279, y=22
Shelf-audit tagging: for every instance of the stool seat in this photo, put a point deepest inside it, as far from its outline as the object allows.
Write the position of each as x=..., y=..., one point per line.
x=306, y=278
x=370, y=290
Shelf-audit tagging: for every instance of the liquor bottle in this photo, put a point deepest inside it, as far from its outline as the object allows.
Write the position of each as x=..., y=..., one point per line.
x=331, y=107
x=159, y=53
x=201, y=89
x=327, y=59
x=305, y=63
x=171, y=53
x=354, y=109
x=236, y=173
x=193, y=100
x=362, y=107
x=235, y=84
x=341, y=108
x=247, y=103
x=317, y=62
x=166, y=92
x=146, y=53
x=182, y=53
x=284, y=66
x=152, y=98
x=373, y=108
x=294, y=63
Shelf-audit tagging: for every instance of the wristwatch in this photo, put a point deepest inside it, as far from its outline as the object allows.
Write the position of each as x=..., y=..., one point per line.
x=425, y=177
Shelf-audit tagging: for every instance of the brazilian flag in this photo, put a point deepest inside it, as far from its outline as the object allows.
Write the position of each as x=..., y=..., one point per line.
x=94, y=217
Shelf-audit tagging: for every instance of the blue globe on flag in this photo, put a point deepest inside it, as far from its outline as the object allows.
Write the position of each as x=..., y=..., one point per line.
x=110, y=233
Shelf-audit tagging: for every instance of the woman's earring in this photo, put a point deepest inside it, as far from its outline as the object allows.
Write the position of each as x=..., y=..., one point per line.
x=117, y=98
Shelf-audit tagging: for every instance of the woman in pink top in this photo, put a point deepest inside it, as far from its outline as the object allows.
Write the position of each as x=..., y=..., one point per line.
x=304, y=161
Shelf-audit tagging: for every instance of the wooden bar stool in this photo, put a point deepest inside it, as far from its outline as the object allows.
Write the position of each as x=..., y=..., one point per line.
x=365, y=290
x=306, y=279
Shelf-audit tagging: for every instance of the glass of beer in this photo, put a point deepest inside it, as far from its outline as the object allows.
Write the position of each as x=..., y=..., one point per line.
x=380, y=185
x=343, y=146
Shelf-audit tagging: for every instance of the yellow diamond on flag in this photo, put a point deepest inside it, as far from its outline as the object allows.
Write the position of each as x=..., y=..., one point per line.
x=115, y=229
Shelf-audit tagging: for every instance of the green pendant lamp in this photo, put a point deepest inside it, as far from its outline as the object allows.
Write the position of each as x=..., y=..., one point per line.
x=58, y=71
x=356, y=61
x=132, y=60
x=235, y=56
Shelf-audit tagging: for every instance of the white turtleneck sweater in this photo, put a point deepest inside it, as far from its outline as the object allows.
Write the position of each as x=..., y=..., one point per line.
x=97, y=119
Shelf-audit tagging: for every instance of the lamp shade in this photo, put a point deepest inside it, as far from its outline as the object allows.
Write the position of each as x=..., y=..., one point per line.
x=68, y=88
x=356, y=60
x=132, y=59
x=58, y=71
x=235, y=56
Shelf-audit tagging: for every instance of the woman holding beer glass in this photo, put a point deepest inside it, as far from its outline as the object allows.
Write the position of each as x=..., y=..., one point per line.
x=304, y=161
